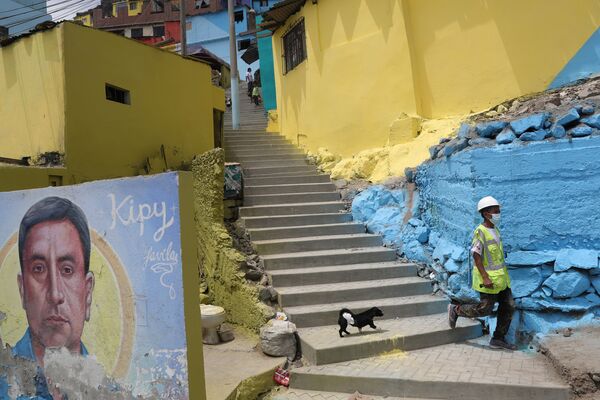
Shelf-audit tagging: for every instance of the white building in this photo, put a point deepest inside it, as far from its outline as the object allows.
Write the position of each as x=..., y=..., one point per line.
x=19, y=16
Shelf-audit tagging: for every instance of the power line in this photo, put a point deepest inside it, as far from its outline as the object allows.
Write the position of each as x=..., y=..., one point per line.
x=81, y=7
x=32, y=18
x=37, y=9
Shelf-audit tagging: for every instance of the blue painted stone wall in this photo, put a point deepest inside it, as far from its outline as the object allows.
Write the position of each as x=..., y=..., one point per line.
x=550, y=196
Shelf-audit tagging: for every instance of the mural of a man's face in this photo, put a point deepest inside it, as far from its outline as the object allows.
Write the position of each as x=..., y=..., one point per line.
x=56, y=292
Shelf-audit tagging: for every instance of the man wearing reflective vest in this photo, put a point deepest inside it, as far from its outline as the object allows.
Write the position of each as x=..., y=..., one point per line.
x=490, y=276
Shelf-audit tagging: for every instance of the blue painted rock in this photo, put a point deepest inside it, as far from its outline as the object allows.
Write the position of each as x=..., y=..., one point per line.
x=534, y=136
x=490, y=129
x=532, y=122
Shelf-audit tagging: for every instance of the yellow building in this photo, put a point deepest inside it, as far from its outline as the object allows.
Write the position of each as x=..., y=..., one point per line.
x=111, y=106
x=85, y=18
x=359, y=74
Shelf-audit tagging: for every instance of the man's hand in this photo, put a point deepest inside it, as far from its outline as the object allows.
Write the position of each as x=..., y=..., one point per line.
x=487, y=282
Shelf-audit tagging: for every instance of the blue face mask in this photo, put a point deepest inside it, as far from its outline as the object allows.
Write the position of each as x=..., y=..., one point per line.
x=495, y=218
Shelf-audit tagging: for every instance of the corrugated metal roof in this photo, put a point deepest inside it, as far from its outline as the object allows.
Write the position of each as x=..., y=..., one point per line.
x=279, y=13
x=251, y=54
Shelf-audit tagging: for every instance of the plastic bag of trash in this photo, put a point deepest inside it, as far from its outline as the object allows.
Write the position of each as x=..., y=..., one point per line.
x=277, y=338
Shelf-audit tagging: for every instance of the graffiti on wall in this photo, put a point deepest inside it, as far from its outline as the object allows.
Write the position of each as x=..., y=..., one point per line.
x=95, y=271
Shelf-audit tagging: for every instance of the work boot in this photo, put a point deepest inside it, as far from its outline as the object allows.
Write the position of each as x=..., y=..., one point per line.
x=502, y=344
x=452, y=316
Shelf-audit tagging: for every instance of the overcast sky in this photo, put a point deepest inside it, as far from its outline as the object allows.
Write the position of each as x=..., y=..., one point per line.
x=65, y=9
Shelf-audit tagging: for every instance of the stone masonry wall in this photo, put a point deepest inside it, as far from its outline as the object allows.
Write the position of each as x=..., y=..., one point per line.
x=220, y=263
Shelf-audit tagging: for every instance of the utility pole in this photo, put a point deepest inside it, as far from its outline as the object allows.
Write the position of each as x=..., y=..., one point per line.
x=183, y=27
x=235, y=88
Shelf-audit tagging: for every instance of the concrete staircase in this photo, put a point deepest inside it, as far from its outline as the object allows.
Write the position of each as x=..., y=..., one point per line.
x=320, y=261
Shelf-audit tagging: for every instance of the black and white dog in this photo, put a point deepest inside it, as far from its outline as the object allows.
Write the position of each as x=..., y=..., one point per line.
x=359, y=321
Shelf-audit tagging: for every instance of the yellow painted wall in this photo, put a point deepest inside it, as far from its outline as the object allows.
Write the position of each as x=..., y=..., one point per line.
x=171, y=104
x=357, y=78
x=32, y=95
x=21, y=178
x=370, y=61
x=130, y=12
x=472, y=54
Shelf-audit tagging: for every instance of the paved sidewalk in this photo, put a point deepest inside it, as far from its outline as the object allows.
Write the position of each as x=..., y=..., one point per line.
x=228, y=364
x=450, y=371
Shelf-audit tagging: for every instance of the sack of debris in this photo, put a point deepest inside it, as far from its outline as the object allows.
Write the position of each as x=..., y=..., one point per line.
x=277, y=338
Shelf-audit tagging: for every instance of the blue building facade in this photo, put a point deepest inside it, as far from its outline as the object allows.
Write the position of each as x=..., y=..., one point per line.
x=211, y=31
x=267, y=68
x=19, y=16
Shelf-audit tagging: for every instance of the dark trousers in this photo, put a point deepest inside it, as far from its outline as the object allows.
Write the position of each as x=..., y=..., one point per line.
x=506, y=307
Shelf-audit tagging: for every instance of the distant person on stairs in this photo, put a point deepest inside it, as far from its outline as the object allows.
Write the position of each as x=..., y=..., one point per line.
x=490, y=276
x=250, y=82
x=256, y=95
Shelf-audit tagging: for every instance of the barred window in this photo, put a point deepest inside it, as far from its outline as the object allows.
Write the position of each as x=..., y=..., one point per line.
x=294, y=46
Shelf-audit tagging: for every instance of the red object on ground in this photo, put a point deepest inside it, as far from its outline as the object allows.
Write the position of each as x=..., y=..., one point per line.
x=282, y=377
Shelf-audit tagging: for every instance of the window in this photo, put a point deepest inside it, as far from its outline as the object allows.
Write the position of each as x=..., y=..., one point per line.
x=244, y=44
x=133, y=5
x=202, y=3
x=238, y=16
x=119, y=32
x=264, y=3
x=158, y=6
x=294, y=46
x=137, y=33
x=158, y=31
x=118, y=95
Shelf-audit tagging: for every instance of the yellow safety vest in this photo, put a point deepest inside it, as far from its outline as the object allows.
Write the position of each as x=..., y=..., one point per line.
x=493, y=261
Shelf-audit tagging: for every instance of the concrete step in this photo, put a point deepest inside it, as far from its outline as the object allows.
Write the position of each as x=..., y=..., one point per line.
x=352, y=291
x=465, y=371
x=314, y=243
x=288, y=174
x=275, y=163
x=262, y=171
x=263, y=199
x=296, y=188
x=292, y=209
x=260, y=148
x=261, y=141
x=322, y=345
x=281, y=221
x=299, y=394
x=250, y=153
x=307, y=230
x=328, y=257
x=250, y=135
x=273, y=157
x=287, y=179
x=393, y=307
x=341, y=273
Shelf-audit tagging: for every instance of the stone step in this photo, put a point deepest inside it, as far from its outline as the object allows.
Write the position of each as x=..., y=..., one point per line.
x=297, y=162
x=352, y=291
x=328, y=257
x=280, y=221
x=314, y=243
x=323, y=345
x=250, y=135
x=282, y=189
x=292, y=209
x=311, y=197
x=287, y=179
x=392, y=307
x=262, y=171
x=468, y=371
x=307, y=230
x=341, y=273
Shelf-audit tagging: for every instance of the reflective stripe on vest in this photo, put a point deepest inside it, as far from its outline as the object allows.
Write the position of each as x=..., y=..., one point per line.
x=488, y=255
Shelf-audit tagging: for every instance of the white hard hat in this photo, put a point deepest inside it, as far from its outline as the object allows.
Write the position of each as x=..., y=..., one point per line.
x=487, y=201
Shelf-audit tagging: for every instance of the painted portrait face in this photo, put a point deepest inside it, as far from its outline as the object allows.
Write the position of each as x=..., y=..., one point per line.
x=55, y=289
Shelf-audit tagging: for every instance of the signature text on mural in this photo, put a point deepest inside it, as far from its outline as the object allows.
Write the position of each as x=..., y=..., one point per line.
x=128, y=212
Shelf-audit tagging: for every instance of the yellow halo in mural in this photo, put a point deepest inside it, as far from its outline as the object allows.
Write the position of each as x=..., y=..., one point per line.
x=110, y=332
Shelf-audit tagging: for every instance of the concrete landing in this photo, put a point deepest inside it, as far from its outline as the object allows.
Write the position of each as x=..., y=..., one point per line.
x=238, y=364
x=295, y=394
x=469, y=371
